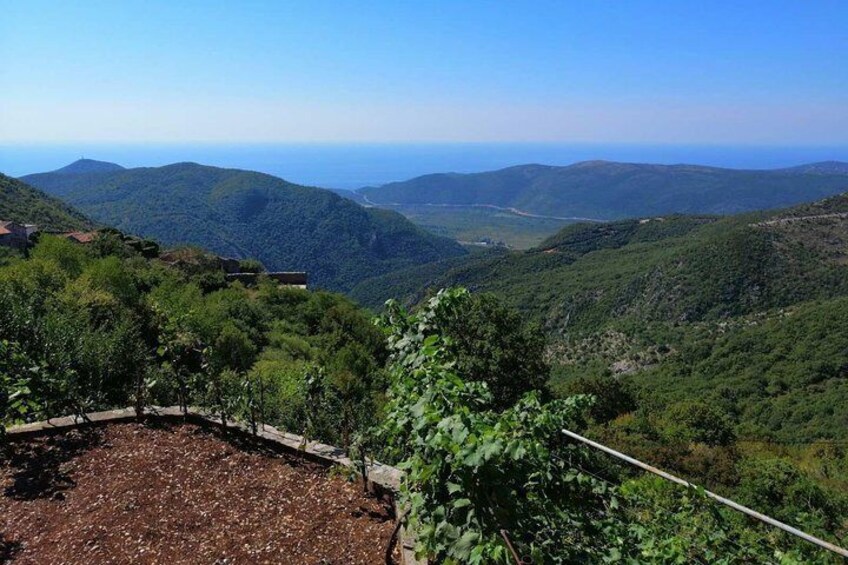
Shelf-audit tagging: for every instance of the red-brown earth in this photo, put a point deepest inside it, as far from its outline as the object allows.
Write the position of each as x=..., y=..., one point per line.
x=132, y=493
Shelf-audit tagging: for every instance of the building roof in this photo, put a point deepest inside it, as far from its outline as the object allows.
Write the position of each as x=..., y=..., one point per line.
x=82, y=237
x=8, y=227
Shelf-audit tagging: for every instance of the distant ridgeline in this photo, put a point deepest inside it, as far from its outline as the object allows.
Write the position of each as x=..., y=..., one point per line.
x=247, y=214
x=686, y=305
x=609, y=191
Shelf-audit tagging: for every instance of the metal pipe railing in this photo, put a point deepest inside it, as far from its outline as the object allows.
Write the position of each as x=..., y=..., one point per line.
x=718, y=498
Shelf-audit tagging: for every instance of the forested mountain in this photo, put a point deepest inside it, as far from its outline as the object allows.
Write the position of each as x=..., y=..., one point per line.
x=687, y=305
x=822, y=167
x=608, y=190
x=89, y=166
x=711, y=345
x=248, y=214
x=24, y=204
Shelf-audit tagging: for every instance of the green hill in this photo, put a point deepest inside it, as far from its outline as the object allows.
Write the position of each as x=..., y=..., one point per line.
x=668, y=268
x=686, y=305
x=89, y=166
x=248, y=214
x=24, y=204
x=608, y=190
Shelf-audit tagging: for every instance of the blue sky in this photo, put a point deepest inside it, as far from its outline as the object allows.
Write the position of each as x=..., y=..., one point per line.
x=589, y=71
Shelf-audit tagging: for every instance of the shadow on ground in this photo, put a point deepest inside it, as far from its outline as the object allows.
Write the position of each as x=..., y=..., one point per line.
x=8, y=549
x=37, y=467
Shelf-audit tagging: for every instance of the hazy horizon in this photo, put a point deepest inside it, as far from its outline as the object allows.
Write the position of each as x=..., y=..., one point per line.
x=349, y=166
x=343, y=95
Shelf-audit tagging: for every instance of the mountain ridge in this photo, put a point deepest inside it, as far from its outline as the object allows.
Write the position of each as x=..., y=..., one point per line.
x=752, y=306
x=84, y=165
x=613, y=190
x=802, y=234
x=249, y=214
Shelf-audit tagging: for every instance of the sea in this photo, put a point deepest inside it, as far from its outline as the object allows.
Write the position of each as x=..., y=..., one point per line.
x=354, y=165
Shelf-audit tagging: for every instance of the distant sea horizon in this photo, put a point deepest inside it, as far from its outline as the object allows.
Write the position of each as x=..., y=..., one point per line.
x=354, y=165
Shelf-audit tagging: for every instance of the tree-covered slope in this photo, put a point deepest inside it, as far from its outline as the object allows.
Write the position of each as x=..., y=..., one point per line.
x=248, y=214
x=608, y=190
x=674, y=268
x=688, y=306
x=449, y=393
x=22, y=203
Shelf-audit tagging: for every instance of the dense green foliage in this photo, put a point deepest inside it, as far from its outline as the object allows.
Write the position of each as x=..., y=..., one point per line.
x=247, y=214
x=712, y=346
x=87, y=328
x=689, y=304
x=24, y=204
x=16, y=369
x=473, y=474
x=491, y=344
x=455, y=449
x=607, y=190
x=787, y=371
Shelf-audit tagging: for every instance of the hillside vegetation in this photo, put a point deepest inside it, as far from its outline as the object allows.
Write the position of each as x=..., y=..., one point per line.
x=684, y=305
x=248, y=214
x=24, y=204
x=83, y=328
x=713, y=346
x=466, y=414
x=608, y=190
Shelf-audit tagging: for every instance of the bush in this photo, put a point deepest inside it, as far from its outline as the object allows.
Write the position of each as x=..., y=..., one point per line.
x=472, y=471
x=251, y=266
x=490, y=343
x=697, y=422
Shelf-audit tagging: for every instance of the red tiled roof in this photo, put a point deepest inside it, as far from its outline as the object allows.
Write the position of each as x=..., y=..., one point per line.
x=82, y=237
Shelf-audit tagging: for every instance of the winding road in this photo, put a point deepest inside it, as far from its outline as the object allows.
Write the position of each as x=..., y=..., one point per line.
x=511, y=210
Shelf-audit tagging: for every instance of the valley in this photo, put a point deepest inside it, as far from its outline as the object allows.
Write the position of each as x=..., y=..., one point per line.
x=549, y=197
x=712, y=345
x=424, y=283
x=482, y=224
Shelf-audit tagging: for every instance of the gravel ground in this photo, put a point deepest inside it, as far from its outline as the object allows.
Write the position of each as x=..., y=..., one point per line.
x=130, y=493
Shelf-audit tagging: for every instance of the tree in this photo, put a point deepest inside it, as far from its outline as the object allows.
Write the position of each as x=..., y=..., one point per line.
x=251, y=266
x=472, y=472
x=693, y=421
x=613, y=395
x=491, y=343
x=15, y=371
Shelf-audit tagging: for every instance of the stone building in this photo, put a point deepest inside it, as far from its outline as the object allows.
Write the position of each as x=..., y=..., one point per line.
x=15, y=235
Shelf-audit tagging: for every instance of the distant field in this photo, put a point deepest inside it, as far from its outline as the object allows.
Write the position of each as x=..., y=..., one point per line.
x=468, y=224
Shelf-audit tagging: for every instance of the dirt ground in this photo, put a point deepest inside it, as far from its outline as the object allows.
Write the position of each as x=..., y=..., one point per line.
x=130, y=493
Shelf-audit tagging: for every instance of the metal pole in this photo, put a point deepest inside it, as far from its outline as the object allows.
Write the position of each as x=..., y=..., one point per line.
x=726, y=501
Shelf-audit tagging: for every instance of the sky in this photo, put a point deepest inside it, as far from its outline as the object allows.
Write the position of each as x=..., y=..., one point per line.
x=717, y=72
